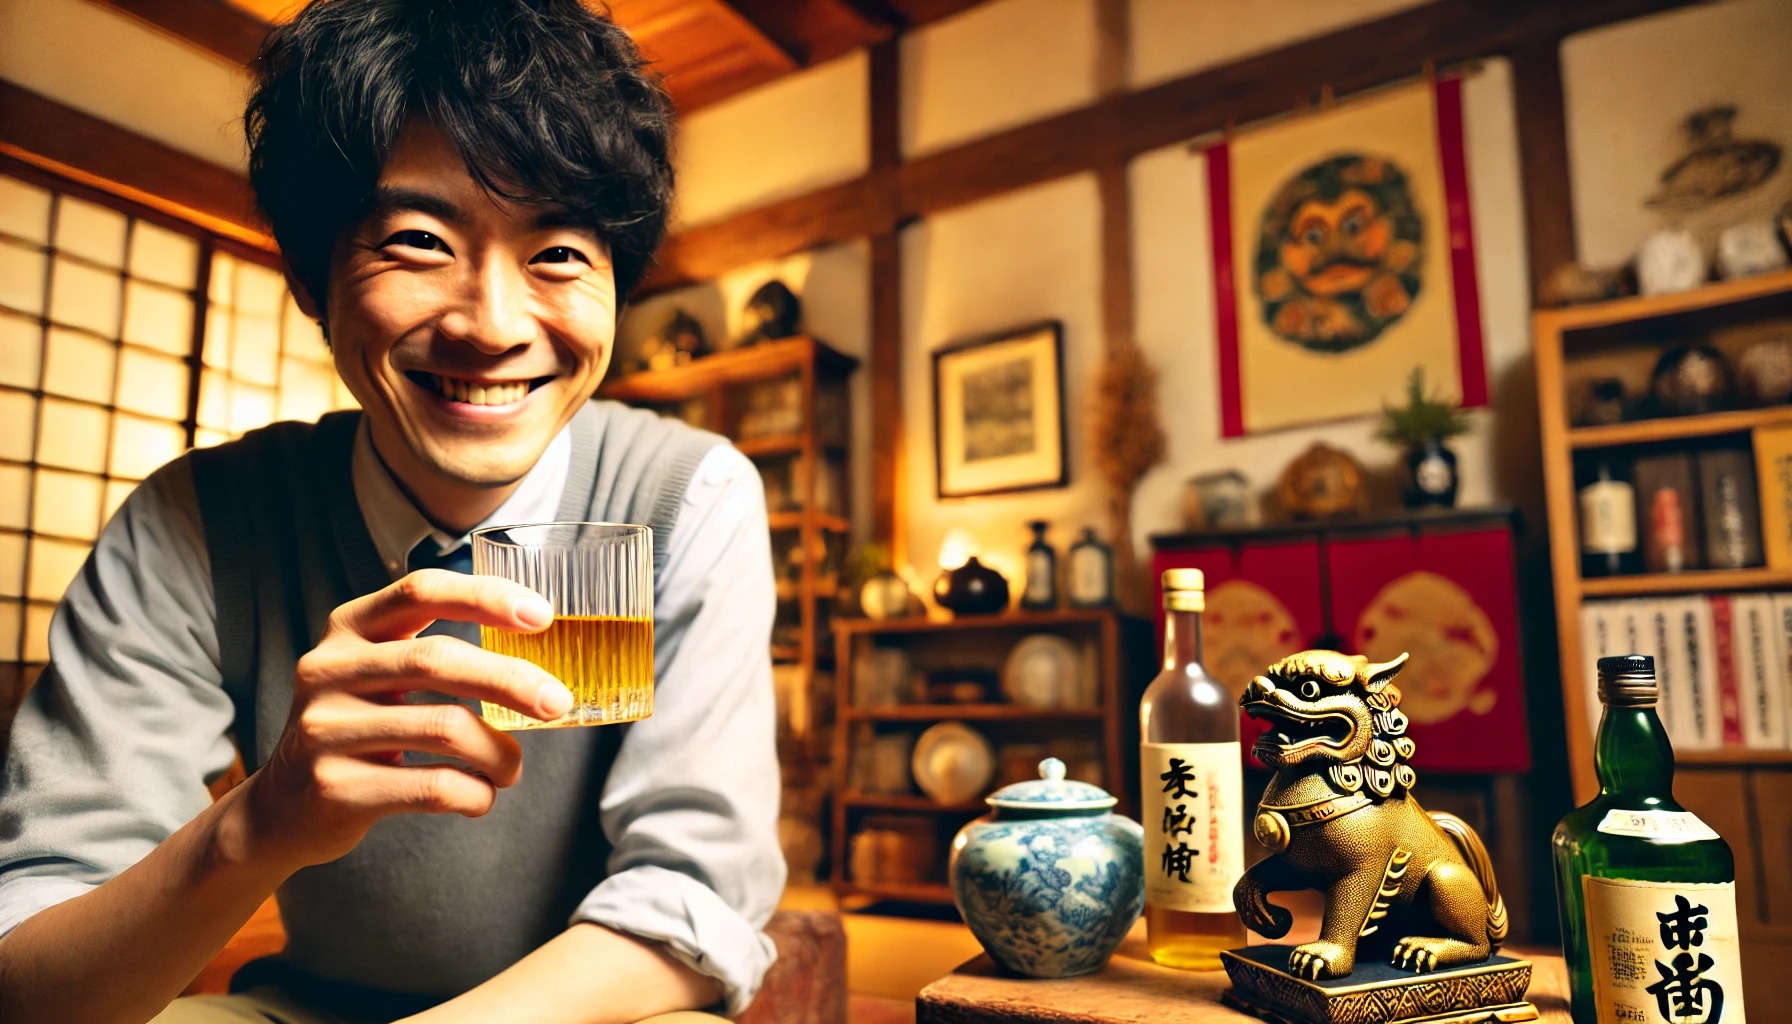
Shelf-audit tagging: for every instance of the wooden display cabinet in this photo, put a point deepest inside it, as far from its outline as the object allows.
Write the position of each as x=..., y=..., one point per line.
x=1115, y=648
x=1745, y=794
x=784, y=405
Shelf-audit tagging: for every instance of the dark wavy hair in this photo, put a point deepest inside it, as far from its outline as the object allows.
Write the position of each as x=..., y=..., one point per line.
x=546, y=101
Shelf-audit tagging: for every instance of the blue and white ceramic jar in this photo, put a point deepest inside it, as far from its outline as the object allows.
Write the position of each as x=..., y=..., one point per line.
x=1052, y=879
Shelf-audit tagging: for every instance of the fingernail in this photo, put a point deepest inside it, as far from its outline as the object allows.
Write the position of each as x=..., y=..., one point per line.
x=533, y=611
x=555, y=699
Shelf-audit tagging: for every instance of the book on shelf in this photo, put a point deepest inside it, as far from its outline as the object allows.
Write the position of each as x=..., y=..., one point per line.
x=1723, y=668
x=1760, y=681
x=1729, y=508
x=1773, y=475
x=1598, y=640
x=1689, y=657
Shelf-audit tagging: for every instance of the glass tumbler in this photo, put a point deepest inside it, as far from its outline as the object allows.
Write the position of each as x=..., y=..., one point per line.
x=599, y=579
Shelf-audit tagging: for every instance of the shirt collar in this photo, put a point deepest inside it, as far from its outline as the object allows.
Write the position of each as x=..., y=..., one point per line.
x=396, y=526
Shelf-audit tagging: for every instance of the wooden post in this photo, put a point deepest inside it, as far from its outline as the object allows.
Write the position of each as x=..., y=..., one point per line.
x=1543, y=156
x=888, y=524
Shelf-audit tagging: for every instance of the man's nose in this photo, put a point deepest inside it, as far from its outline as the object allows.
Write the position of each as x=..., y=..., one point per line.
x=494, y=314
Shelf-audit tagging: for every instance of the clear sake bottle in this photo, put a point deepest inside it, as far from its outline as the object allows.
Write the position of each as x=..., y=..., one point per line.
x=1646, y=891
x=1192, y=805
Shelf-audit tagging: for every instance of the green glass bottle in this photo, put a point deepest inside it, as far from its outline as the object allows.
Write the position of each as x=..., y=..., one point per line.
x=1647, y=891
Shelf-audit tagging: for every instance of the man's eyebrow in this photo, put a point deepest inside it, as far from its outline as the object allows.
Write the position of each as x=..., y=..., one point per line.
x=388, y=199
x=557, y=217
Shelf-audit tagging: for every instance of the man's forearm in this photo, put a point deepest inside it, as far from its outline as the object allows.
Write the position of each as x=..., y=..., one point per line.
x=587, y=974
x=120, y=953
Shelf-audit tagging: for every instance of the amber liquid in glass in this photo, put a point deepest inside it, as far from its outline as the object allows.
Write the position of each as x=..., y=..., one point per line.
x=1186, y=705
x=606, y=661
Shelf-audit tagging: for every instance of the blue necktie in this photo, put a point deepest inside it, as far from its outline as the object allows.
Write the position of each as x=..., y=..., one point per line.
x=427, y=555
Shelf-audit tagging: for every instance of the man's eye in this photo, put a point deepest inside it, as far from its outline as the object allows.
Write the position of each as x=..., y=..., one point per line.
x=417, y=240
x=560, y=254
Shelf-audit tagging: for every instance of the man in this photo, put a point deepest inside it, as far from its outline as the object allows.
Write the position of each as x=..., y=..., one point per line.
x=463, y=192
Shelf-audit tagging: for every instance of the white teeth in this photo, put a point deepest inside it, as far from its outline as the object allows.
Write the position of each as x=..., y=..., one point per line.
x=481, y=394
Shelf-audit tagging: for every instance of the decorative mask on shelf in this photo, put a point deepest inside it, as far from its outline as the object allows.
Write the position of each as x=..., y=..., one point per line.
x=1408, y=893
x=971, y=589
x=1322, y=482
x=773, y=312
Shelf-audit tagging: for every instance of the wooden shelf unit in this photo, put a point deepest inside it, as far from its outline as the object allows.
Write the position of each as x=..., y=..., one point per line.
x=984, y=641
x=1588, y=332
x=715, y=381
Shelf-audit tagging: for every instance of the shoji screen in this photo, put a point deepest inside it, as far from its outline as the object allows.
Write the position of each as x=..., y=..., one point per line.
x=100, y=314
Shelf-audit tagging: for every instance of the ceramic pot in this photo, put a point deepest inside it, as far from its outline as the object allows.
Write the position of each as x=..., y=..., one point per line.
x=1431, y=479
x=1051, y=880
x=971, y=589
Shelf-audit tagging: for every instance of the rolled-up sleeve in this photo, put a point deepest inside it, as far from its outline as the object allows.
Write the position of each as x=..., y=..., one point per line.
x=112, y=748
x=691, y=803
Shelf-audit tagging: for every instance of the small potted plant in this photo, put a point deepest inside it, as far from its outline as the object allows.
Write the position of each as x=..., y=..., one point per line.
x=1422, y=427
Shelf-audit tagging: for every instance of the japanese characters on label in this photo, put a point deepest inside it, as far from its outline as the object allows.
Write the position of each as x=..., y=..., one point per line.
x=1664, y=952
x=1662, y=826
x=1194, y=833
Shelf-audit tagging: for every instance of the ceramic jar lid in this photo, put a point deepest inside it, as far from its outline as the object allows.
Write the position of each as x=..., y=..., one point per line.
x=1052, y=792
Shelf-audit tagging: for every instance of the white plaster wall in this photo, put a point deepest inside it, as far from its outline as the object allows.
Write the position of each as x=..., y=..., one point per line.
x=1629, y=88
x=1174, y=307
x=797, y=134
x=835, y=286
x=1005, y=262
x=116, y=68
x=1172, y=38
x=995, y=66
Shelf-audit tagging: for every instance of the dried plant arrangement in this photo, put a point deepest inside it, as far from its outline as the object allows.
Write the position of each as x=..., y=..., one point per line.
x=1128, y=440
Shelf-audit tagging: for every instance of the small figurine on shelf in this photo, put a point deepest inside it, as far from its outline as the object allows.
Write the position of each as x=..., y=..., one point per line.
x=1421, y=428
x=679, y=341
x=1089, y=583
x=1041, y=593
x=1604, y=405
x=772, y=313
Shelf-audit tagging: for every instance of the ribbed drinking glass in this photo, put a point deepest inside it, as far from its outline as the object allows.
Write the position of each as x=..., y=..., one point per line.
x=599, y=579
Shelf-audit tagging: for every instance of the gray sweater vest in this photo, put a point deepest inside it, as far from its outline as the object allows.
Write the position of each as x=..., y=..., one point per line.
x=430, y=905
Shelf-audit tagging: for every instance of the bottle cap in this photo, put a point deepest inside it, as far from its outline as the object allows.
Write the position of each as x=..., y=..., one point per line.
x=1628, y=681
x=1185, y=590
x=1184, y=579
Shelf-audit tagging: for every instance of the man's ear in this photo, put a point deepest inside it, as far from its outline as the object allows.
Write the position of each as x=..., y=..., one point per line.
x=302, y=296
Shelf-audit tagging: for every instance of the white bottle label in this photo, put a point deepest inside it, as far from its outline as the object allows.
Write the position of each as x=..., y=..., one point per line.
x=1039, y=577
x=1193, y=811
x=1664, y=952
x=1088, y=575
x=1661, y=826
x=1608, y=518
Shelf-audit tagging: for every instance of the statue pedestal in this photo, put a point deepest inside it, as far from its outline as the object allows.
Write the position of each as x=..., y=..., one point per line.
x=1491, y=992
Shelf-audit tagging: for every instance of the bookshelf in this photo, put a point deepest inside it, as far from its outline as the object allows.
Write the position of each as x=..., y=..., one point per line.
x=1623, y=338
x=801, y=450
x=1120, y=653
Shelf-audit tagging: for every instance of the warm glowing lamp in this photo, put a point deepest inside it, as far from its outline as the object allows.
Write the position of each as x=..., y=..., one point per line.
x=958, y=548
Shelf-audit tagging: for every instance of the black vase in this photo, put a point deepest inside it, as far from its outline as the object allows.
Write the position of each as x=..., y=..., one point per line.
x=1431, y=479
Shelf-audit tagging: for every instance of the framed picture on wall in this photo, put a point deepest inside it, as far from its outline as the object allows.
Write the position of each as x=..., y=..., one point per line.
x=998, y=412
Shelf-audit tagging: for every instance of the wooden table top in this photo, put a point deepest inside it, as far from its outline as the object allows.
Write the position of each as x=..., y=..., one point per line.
x=1132, y=989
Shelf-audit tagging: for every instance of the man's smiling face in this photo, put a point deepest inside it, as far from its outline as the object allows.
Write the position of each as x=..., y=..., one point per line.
x=470, y=328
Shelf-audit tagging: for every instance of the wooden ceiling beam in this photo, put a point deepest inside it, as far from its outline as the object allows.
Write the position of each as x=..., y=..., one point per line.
x=99, y=154
x=1365, y=56
x=212, y=25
